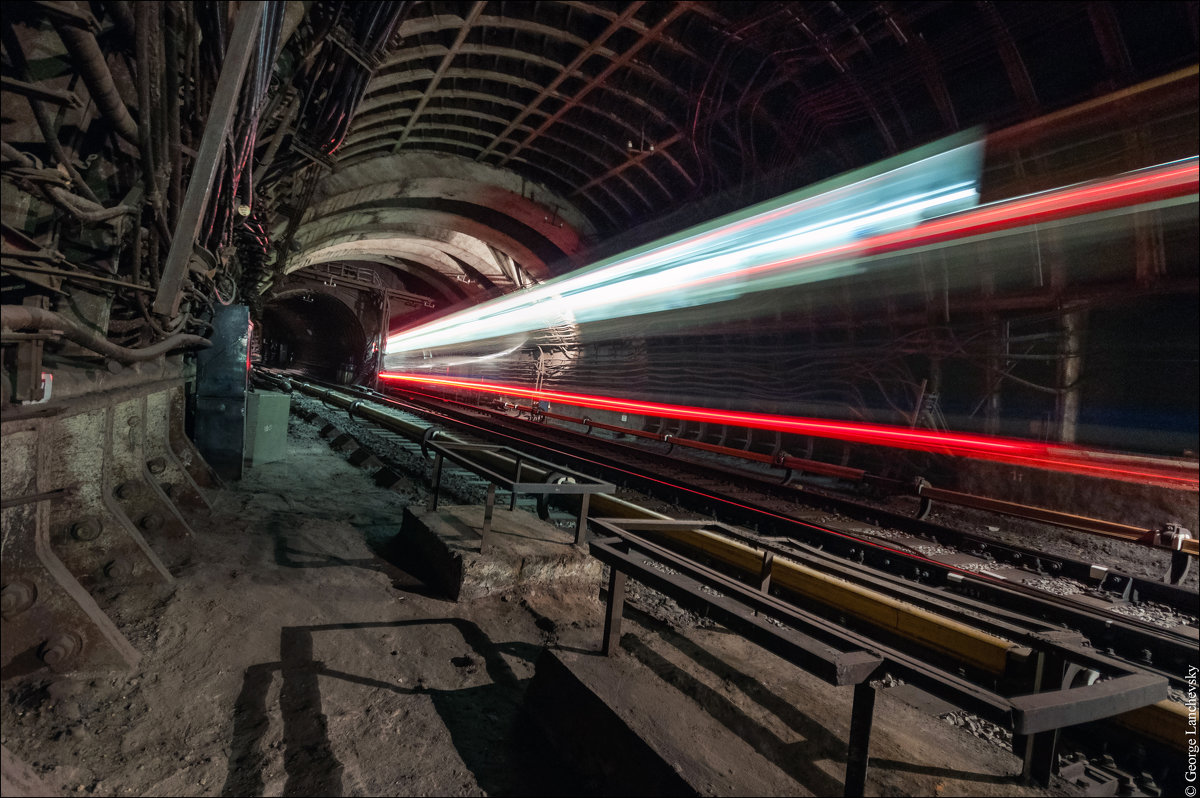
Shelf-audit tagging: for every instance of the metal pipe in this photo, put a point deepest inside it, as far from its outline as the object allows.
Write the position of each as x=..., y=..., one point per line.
x=1094, y=526
x=76, y=275
x=174, y=123
x=49, y=134
x=285, y=126
x=157, y=111
x=89, y=59
x=166, y=302
x=13, y=154
x=295, y=13
x=22, y=317
x=122, y=15
x=144, y=72
x=85, y=210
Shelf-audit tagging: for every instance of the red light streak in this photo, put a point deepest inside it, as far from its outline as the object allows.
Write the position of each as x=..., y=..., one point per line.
x=1033, y=454
x=487, y=432
x=1162, y=183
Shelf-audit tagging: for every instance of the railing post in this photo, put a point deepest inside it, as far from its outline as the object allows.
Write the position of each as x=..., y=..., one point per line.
x=612, y=614
x=862, y=716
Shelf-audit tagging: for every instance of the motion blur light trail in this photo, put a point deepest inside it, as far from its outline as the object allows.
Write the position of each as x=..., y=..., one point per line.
x=1032, y=454
x=769, y=250
x=714, y=262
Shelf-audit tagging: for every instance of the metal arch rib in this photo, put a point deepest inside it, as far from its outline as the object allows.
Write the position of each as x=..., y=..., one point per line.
x=502, y=77
x=465, y=29
x=383, y=130
x=413, y=75
x=596, y=81
x=378, y=132
x=468, y=145
x=565, y=72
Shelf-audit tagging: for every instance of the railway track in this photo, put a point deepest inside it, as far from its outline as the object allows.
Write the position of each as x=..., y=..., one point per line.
x=966, y=616
x=887, y=541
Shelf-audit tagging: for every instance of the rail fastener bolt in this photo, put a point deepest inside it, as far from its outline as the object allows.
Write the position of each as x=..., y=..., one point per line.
x=16, y=597
x=86, y=529
x=60, y=649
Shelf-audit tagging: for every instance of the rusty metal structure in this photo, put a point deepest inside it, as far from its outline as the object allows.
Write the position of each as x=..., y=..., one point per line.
x=341, y=169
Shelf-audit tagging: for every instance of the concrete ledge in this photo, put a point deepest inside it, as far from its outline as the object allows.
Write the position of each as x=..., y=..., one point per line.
x=620, y=726
x=442, y=547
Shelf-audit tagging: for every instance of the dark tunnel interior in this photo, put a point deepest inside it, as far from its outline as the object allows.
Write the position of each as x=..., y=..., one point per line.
x=604, y=397
x=314, y=333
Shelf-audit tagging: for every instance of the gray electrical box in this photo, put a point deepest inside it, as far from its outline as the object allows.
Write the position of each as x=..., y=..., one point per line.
x=266, y=426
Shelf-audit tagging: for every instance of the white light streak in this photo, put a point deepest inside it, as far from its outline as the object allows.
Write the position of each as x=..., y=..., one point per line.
x=710, y=263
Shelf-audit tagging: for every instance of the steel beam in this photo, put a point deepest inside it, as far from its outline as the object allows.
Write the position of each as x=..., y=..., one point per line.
x=36, y=92
x=564, y=73
x=447, y=60
x=208, y=158
x=1094, y=526
x=625, y=57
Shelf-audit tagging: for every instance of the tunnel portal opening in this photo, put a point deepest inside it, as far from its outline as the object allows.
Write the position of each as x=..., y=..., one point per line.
x=316, y=334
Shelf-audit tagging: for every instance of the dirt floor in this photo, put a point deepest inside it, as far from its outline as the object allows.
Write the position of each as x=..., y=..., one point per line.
x=292, y=659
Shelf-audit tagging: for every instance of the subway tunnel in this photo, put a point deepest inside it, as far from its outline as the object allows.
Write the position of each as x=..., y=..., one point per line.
x=789, y=269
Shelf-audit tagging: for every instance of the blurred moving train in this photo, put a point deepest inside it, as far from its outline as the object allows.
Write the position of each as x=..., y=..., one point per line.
x=890, y=296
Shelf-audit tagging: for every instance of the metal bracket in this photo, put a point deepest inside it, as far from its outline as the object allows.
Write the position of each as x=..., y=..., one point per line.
x=127, y=479
x=164, y=465
x=50, y=620
x=88, y=531
x=427, y=438
x=184, y=450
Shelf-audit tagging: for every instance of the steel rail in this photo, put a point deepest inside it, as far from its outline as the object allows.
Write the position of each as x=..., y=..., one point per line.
x=1162, y=715
x=1126, y=637
x=1155, y=538
x=1111, y=580
x=980, y=650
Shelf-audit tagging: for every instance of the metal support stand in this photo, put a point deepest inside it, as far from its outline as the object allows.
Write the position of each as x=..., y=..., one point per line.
x=612, y=613
x=436, y=481
x=488, y=506
x=512, y=499
x=764, y=573
x=862, y=717
x=1039, y=757
x=581, y=521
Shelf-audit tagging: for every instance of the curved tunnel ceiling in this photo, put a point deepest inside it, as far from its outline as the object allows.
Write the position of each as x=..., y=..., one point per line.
x=495, y=142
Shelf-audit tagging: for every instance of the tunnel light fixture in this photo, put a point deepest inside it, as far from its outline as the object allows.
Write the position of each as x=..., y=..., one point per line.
x=1015, y=451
